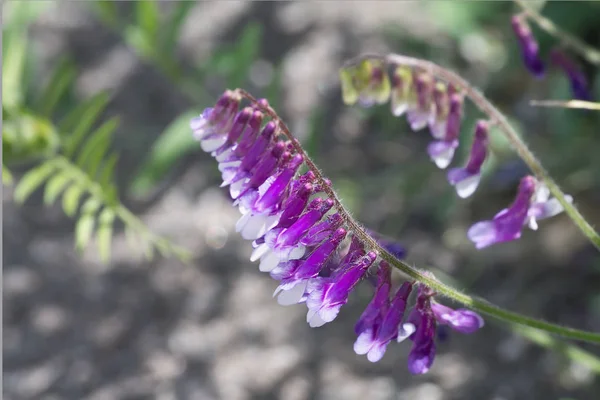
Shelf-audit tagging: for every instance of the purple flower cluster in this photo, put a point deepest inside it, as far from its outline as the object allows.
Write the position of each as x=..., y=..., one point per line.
x=305, y=243
x=439, y=106
x=531, y=58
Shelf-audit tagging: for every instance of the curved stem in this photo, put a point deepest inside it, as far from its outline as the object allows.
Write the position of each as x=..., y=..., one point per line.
x=498, y=118
x=588, y=52
x=474, y=303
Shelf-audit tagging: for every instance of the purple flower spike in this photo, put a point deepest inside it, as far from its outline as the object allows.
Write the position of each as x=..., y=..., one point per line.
x=466, y=179
x=507, y=224
x=375, y=343
x=327, y=295
x=461, y=320
x=579, y=84
x=529, y=46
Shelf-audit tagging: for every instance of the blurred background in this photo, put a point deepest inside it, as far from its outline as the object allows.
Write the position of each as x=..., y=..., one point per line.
x=76, y=327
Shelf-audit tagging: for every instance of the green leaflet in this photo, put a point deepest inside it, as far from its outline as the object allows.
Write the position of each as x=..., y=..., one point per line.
x=78, y=122
x=104, y=233
x=93, y=149
x=85, y=224
x=32, y=180
x=60, y=81
x=56, y=184
x=70, y=200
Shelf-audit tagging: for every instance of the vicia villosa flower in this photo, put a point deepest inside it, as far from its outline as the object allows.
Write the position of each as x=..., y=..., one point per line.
x=579, y=84
x=466, y=179
x=531, y=204
x=303, y=240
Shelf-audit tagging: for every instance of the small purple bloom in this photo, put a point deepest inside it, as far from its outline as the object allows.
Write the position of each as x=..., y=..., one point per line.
x=373, y=314
x=211, y=128
x=374, y=342
x=322, y=230
x=466, y=179
x=284, y=244
x=437, y=123
x=529, y=46
x=442, y=152
x=294, y=275
x=422, y=354
x=508, y=223
x=419, y=113
x=447, y=129
x=461, y=320
x=579, y=84
x=402, y=90
x=327, y=295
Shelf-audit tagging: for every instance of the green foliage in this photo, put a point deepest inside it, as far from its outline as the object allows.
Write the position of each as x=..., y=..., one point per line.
x=74, y=160
x=233, y=63
x=7, y=178
x=174, y=143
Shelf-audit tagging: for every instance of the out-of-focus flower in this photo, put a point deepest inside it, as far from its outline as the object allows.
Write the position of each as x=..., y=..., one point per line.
x=531, y=204
x=529, y=46
x=579, y=83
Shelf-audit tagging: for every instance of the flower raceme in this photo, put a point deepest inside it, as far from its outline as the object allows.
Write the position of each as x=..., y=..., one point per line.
x=427, y=102
x=304, y=241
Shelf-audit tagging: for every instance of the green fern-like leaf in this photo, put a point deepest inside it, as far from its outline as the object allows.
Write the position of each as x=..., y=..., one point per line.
x=83, y=175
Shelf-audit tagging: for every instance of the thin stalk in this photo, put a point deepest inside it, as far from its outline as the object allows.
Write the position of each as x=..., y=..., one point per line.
x=500, y=120
x=588, y=52
x=474, y=303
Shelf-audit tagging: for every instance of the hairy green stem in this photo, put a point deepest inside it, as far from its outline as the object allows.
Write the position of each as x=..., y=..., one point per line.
x=588, y=52
x=474, y=303
x=500, y=120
